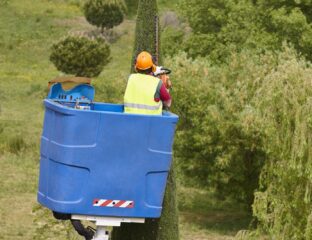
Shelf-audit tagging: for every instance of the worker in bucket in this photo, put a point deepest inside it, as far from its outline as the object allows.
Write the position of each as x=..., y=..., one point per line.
x=145, y=93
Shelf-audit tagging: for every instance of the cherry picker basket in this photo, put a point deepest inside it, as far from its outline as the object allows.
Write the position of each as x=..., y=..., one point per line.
x=97, y=160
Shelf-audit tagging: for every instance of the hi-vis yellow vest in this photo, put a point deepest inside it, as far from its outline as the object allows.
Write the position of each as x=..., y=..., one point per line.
x=139, y=95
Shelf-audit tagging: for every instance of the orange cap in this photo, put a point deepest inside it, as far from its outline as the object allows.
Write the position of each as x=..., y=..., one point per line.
x=144, y=61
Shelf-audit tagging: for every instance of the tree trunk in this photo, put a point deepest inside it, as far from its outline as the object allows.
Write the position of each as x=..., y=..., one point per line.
x=166, y=227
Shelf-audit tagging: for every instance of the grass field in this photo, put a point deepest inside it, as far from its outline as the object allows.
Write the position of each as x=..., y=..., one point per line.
x=28, y=28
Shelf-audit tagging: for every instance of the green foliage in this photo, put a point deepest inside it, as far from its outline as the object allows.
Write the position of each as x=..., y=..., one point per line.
x=283, y=204
x=219, y=142
x=208, y=21
x=229, y=27
x=104, y=13
x=289, y=5
x=223, y=26
x=146, y=36
x=171, y=40
x=250, y=117
x=198, y=45
x=290, y=24
x=80, y=56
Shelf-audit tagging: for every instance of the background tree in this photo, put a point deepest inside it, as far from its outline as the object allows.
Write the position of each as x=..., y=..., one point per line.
x=289, y=21
x=80, y=56
x=104, y=14
x=223, y=26
x=171, y=41
x=283, y=203
x=223, y=153
x=165, y=228
x=250, y=117
x=219, y=143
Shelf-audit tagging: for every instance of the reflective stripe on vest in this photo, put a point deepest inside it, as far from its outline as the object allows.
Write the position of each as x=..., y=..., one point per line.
x=139, y=95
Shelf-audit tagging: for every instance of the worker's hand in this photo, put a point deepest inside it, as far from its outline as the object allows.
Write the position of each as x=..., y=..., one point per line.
x=168, y=84
x=166, y=81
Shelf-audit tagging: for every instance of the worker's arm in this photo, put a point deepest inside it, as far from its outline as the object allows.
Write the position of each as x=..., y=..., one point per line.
x=165, y=96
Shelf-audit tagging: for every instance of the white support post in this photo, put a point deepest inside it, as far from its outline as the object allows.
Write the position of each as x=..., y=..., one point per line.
x=103, y=222
x=101, y=233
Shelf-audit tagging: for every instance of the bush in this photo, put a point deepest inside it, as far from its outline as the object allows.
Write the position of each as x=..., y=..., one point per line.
x=283, y=203
x=172, y=40
x=199, y=45
x=246, y=126
x=80, y=56
x=104, y=13
x=219, y=142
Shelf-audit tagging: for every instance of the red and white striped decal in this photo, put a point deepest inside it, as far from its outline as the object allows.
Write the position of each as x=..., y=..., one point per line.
x=113, y=203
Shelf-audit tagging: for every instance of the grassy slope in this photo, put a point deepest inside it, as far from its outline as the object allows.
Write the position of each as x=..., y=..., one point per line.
x=27, y=29
x=204, y=217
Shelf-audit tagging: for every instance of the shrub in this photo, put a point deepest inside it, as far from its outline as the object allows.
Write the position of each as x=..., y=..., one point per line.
x=104, y=13
x=283, y=203
x=201, y=44
x=80, y=56
x=219, y=142
x=249, y=117
x=172, y=40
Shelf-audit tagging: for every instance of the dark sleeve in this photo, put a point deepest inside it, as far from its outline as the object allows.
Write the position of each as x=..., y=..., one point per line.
x=157, y=93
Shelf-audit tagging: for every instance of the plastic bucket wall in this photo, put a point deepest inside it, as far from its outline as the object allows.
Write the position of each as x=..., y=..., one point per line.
x=104, y=154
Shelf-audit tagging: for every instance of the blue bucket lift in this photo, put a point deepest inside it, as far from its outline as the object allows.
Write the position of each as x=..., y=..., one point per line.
x=100, y=164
